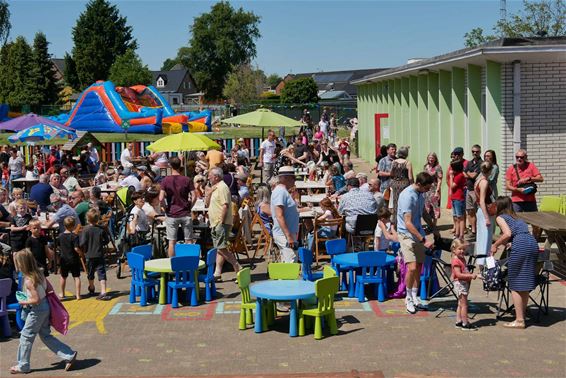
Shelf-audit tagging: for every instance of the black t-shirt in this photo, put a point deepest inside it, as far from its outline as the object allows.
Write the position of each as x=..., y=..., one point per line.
x=4, y=157
x=18, y=238
x=67, y=243
x=300, y=150
x=37, y=248
x=4, y=214
x=473, y=166
x=92, y=240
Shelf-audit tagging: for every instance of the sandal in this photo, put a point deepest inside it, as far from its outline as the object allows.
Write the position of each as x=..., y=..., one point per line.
x=91, y=291
x=104, y=297
x=17, y=370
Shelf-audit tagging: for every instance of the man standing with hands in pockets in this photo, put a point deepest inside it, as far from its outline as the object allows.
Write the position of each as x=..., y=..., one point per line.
x=412, y=237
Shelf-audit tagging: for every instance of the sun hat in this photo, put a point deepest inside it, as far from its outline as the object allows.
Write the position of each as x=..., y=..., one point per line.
x=286, y=171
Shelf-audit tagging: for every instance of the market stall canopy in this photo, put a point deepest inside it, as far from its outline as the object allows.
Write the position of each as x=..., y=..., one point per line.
x=263, y=118
x=28, y=120
x=183, y=142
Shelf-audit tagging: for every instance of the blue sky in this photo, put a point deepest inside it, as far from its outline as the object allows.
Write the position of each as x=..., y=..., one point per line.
x=297, y=36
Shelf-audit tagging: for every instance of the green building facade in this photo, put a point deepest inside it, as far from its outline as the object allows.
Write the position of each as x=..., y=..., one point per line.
x=467, y=97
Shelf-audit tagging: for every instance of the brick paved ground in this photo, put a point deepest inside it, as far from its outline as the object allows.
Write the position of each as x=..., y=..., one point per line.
x=116, y=338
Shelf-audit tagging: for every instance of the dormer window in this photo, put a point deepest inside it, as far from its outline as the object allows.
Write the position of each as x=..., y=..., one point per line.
x=160, y=83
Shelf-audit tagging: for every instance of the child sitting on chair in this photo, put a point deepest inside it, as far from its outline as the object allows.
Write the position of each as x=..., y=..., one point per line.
x=462, y=278
x=330, y=213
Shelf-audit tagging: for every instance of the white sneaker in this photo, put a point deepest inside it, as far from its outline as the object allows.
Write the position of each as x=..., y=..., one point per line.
x=419, y=305
x=410, y=306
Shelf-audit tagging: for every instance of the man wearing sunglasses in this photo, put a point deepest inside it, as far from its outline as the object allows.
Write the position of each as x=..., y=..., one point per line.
x=520, y=180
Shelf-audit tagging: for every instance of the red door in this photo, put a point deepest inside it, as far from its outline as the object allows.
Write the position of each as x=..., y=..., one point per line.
x=378, y=117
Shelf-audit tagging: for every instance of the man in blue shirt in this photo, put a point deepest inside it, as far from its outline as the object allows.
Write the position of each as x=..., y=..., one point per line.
x=412, y=236
x=40, y=192
x=285, y=215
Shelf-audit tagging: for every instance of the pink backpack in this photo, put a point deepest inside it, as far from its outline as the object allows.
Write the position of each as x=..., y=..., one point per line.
x=59, y=317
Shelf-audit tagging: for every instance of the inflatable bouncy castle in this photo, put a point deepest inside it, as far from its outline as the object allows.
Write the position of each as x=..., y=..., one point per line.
x=103, y=107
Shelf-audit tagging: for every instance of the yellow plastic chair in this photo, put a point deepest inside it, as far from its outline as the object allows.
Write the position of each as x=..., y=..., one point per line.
x=550, y=203
x=324, y=289
x=328, y=272
x=283, y=271
x=563, y=207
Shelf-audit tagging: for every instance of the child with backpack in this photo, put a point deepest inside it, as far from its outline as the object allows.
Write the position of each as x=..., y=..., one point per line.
x=462, y=278
x=36, y=311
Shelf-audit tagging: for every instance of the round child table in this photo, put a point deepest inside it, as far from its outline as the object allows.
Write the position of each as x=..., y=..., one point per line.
x=281, y=290
x=350, y=261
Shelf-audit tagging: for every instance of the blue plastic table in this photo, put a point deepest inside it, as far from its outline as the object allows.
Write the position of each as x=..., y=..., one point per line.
x=350, y=261
x=281, y=290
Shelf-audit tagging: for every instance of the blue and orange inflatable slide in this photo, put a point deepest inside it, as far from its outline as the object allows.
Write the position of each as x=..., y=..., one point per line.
x=103, y=107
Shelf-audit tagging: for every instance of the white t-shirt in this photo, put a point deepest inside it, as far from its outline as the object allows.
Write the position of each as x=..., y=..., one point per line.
x=16, y=165
x=93, y=152
x=382, y=242
x=126, y=159
x=328, y=216
x=268, y=151
x=150, y=210
x=323, y=127
x=142, y=223
x=131, y=180
x=71, y=184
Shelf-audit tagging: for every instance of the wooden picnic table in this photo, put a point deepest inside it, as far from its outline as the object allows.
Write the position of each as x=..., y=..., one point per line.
x=315, y=198
x=554, y=225
x=307, y=185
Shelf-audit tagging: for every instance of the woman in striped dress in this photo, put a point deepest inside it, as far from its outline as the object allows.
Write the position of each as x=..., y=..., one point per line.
x=522, y=260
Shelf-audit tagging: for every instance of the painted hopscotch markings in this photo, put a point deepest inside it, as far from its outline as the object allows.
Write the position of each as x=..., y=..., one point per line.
x=136, y=309
x=344, y=305
x=393, y=310
x=89, y=310
x=203, y=312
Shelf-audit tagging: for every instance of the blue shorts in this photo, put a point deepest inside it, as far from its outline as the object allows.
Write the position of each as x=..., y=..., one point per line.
x=524, y=207
x=458, y=208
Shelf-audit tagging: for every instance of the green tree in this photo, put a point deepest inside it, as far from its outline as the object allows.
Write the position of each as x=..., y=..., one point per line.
x=44, y=87
x=100, y=36
x=18, y=71
x=5, y=24
x=71, y=76
x=244, y=84
x=6, y=82
x=168, y=64
x=545, y=18
x=273, y=80
x=475, y=37
x=221, y=40
x=129, y=70
x=300, y=91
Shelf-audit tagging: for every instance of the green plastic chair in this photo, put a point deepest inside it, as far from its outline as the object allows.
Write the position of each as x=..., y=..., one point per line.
x=328, y=271
x=248, y=305
x=550, y=203
x=324, y=289
x=563, y=207
x=283, y=271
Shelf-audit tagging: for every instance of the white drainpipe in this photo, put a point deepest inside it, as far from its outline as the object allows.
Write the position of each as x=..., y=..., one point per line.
x=516, y=105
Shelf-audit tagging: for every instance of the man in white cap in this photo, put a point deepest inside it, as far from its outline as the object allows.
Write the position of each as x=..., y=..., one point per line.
x=285, y=215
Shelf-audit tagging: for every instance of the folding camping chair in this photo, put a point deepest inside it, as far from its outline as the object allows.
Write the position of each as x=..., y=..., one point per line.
x=538, y=296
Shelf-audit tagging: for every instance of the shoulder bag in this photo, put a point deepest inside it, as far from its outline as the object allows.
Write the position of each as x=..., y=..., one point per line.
x=58, y=317
x=529, y=187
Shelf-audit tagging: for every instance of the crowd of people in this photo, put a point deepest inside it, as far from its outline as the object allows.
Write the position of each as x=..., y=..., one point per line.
x=164, y=189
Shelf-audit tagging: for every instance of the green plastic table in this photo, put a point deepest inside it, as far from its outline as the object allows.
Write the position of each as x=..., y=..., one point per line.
x=163, y=266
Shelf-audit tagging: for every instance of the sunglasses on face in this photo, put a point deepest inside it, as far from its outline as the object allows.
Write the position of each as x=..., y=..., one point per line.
x=520, y=157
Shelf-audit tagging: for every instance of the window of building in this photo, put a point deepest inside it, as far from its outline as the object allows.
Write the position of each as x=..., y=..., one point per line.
x=160, y=83
x=175, y=100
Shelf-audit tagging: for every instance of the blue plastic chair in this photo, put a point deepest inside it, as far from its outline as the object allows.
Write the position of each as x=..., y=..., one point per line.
x=16, y=306
x=372, y=272
x=140, y=283
x=146, y=250
x=208, y=278
x=426, y=272
x=305, y=255
x=5, y=289
x=184, y=269
x=337, y=247
x=187, y=250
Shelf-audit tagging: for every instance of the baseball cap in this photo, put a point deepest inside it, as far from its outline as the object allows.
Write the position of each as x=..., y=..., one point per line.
x=458, y=151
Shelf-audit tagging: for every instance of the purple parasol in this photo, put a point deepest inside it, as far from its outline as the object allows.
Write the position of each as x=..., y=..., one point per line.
x=28, y=120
